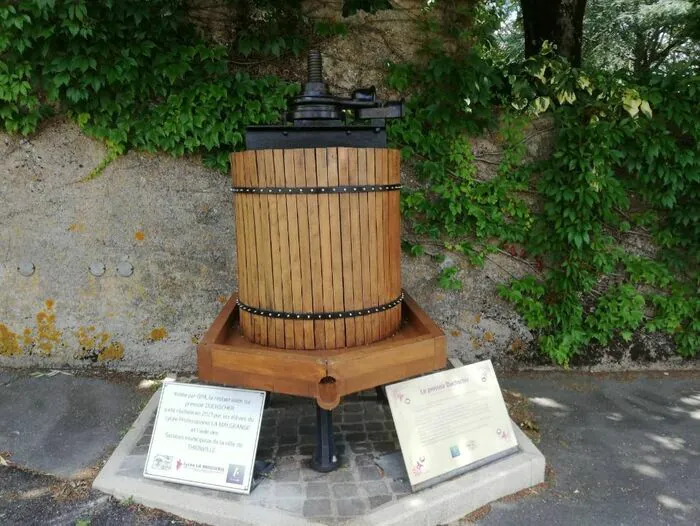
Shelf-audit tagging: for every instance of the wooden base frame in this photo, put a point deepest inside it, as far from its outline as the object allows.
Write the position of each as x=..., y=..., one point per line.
x=224, y=356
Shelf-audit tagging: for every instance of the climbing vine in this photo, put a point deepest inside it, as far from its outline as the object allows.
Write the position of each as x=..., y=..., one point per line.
x=625, y=165
x=135, y=74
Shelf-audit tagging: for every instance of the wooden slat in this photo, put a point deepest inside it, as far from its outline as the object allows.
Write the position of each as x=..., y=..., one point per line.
x=395, y=225
x=262, y=245
x=379, y=236
x=389, y=253
x=315, y=248
x=372, y=245
x=326, y=262
x=276, y=336
x=294, y=251
x=382, y=165
x=270, y=363
x=336, y=245
x=366, y=247
x=251, y=249
x=237, y=171
x=304, y=249
x=346, y=240
x=284, y=259
x=357, y=242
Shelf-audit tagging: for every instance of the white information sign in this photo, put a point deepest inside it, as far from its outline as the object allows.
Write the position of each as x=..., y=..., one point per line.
x=206, y=436
x=450, y=422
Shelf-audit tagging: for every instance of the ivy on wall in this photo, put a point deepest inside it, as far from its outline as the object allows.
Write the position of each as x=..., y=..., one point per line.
x=626, y=162
x=133, y=73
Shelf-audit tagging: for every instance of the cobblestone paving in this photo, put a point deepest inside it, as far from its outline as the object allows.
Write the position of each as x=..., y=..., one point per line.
x=364, y=431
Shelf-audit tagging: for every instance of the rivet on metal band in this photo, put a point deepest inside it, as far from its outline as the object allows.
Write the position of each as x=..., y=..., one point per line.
x=319, y=315
x=316, y=189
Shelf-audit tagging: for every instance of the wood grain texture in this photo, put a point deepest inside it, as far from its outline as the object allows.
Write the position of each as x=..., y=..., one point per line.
x=294, y=251
x=325, y=247
x=273, y=163
x=336, y=245
x=284, y=257
x=225, y=356
x=356, y=237
x=252, y=296
x=318, y=252
x=304, y=248
x=346, y=246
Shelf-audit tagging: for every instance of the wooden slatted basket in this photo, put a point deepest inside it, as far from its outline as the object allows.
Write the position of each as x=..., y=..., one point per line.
x=307, y=255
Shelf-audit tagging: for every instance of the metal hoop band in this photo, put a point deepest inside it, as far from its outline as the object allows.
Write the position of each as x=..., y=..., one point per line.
x=319, y=315
x=316, y=189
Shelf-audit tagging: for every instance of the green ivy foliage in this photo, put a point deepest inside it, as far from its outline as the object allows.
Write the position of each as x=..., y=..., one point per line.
x=270, y=28
x=626, y=162
x=133, y=73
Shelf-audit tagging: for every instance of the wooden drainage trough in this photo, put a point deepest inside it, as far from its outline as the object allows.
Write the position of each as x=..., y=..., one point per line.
x=319, y=312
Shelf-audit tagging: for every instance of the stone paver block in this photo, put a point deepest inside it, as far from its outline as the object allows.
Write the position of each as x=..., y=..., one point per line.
x=379, y=500
x=351, y=507
x=288, y=490
x=375, y=488
x=369, y=473
x=317, y=490
x=317, y=508
x=345, y=491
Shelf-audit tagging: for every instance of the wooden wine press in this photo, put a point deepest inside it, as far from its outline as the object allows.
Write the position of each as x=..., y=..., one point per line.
x=320, y=312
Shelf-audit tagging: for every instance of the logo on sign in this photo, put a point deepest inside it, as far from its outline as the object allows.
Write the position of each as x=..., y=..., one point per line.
x=162, y=462
x=502, y=433
x=235, y=474
x=419, y=467
x=454, y=451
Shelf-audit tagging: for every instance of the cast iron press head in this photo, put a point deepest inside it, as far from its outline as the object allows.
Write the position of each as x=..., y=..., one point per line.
x=318, y=119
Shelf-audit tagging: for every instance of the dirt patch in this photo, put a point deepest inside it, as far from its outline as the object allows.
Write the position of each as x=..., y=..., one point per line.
x=72, y=490
x=520, y=411
x=476, y=515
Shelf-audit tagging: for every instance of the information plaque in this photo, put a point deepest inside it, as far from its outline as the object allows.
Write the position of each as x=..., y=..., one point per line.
x=450, y=422
x=206, y=436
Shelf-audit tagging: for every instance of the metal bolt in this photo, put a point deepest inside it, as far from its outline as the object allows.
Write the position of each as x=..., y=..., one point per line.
x=97, y=269
x=314, y=66
x=26, y=268
x=125, y=269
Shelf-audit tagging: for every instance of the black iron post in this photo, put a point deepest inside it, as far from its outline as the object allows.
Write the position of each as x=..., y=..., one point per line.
x=325, y=458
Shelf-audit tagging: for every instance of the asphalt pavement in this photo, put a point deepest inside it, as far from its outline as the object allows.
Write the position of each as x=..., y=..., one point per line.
x=624, y=450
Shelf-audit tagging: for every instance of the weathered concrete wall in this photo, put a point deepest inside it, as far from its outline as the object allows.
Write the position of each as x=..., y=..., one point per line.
x=169, y=219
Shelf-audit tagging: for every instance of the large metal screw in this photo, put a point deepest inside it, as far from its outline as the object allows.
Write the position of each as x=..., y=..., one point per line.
x=315, y=66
